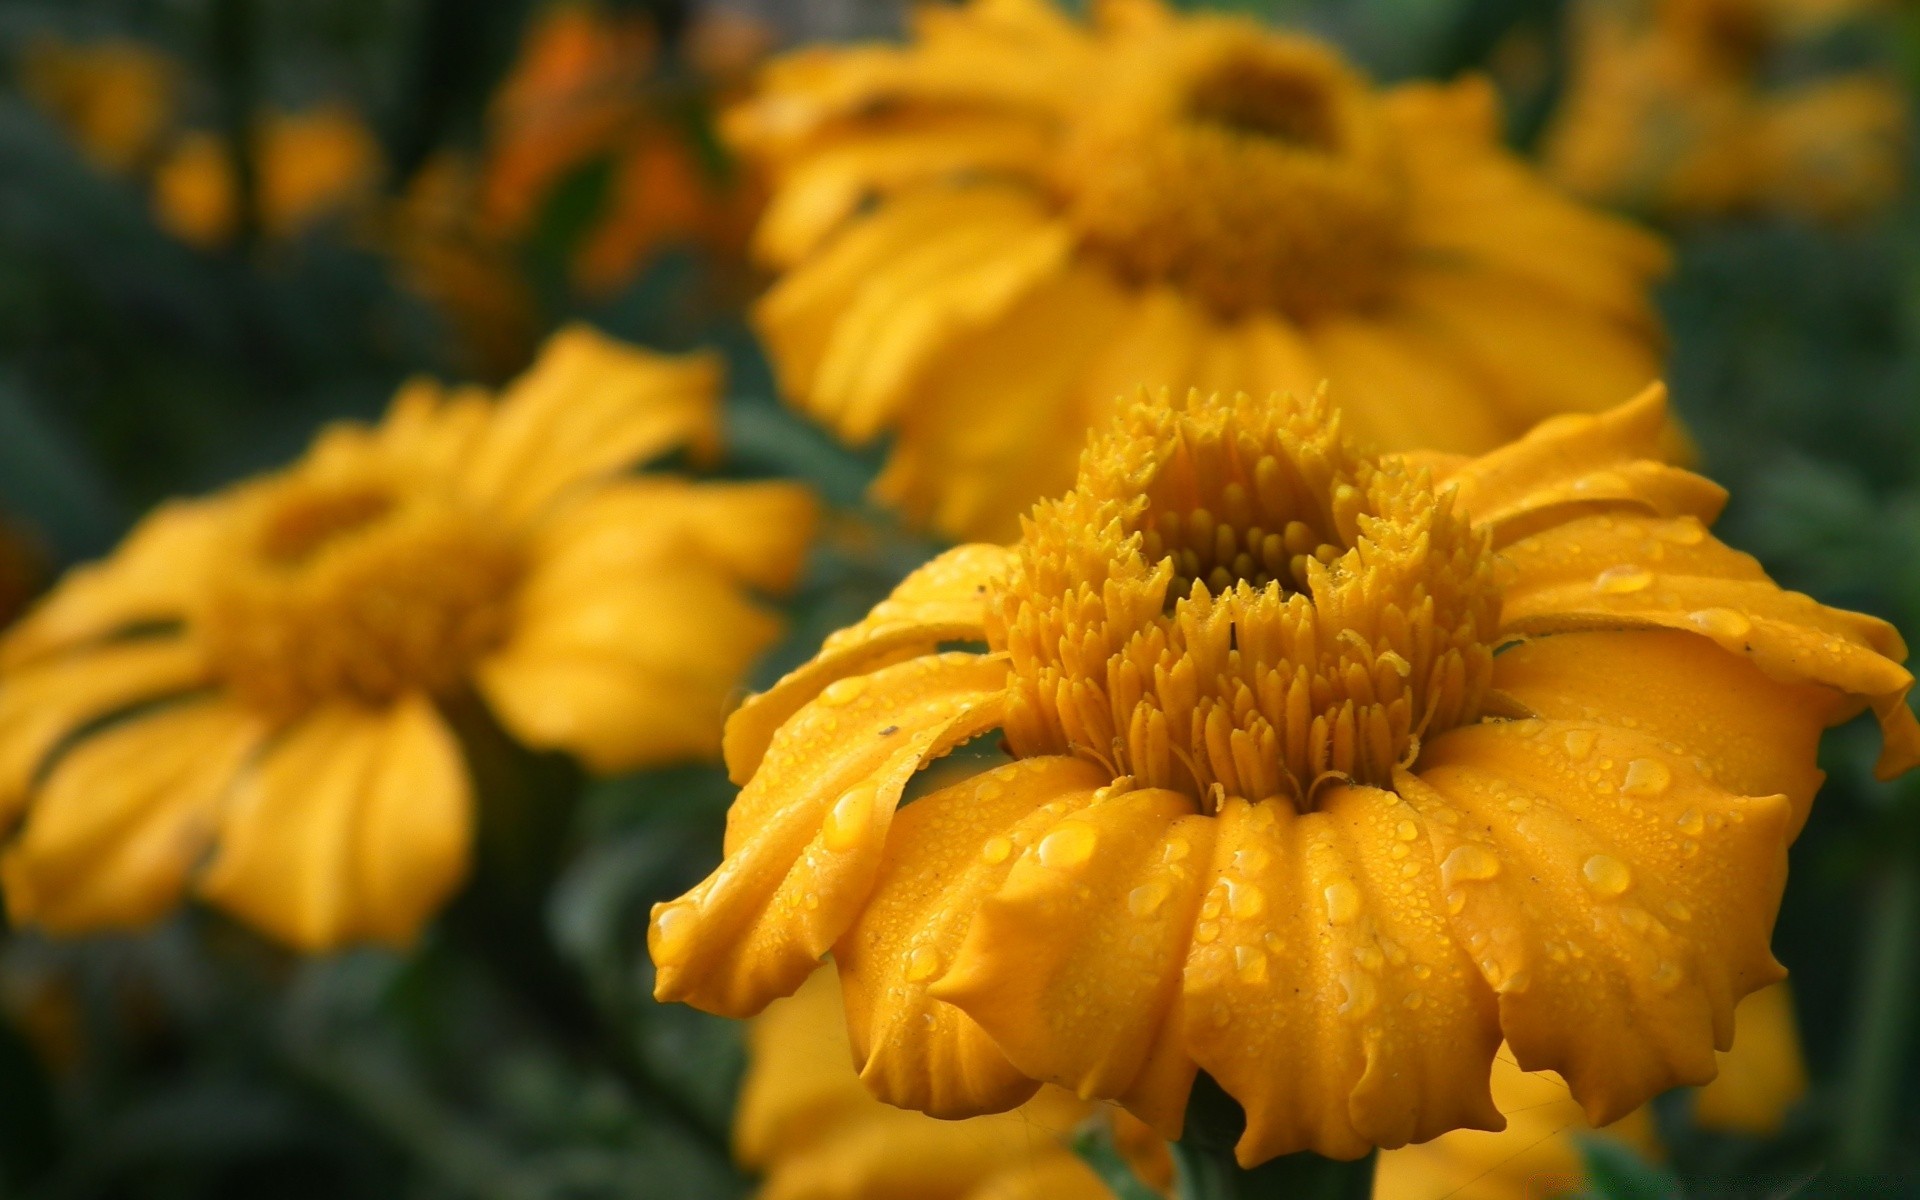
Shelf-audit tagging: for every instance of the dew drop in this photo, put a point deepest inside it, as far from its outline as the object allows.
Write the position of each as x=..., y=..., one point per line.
x=1687, y=531
x=1251, y=860
x=674, y=928
x=922, y=963
x=1406, y=831
x=1691, y=822
x=1250, y=963
x=1343, y=902
x=1456, y=902
x=1146, y=899
x=1666, y=976
x=1468, y=862
x=1362, y=995
x=1069, y=845
x=1647, y=777
x=1176, y=850
x=843, y=691
x=1623, y=580
x=1606, y=875
x=1636, y=919
x=1244, y=900
x=1206, y=931
x=997, y=849
x=1721, y=623
x=1677, y=910
x=1579, y=743
x=847, y=821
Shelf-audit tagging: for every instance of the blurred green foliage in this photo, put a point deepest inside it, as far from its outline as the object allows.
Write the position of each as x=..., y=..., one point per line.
x=517, y=1053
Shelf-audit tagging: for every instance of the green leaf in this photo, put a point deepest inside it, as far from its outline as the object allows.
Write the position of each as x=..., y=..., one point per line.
x=1093, y=1142
x=1616, y=1172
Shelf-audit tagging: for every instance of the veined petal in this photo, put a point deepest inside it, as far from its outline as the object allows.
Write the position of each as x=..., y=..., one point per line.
x=1639, y=572
x=942, y=601
x=1073, y=965
x=44, y=702
x=355, y=825
x=1324, y=990
x=590, y=407
x=156, y=575
x=806, y=835
x=1571, y=854
x=1759, y=735
x=945, y=855
x=123, y=817
x=1575, y=464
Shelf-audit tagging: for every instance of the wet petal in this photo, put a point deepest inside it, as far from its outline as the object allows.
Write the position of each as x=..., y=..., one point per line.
x=946, y=853
x=942, y=601
x=1641, y=572
x=1073, y=965
x=805, y=836
x=354, y=826
x=42, y=703
x=1571, y=465
x=1759, y=736
x=124, y=816
x=1324, y=990
x=1618, y=901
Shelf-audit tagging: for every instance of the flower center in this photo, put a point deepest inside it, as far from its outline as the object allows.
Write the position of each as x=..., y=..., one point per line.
x=1248, y=167
x=347, y=586
x=1148, y=634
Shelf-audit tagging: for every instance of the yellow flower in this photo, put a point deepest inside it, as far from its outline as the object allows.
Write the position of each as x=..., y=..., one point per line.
x=814, y=1133
x=1670, y=109
x=116, y=98
x=989, y=234
x=1280, y=812
x=258, y=674
x=312, y=166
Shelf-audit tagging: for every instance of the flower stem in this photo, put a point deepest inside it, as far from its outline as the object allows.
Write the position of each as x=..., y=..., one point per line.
x=1205, y=1169
x=1884, y=1026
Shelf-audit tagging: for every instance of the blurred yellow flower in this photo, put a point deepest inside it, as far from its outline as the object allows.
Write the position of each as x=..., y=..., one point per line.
x=312, y=166
x=1535, y=1156
x=987, y=235
x=1670, y=110
x=115, y=97
x=259, y=673
x=814, y=1133
x=1280, y=813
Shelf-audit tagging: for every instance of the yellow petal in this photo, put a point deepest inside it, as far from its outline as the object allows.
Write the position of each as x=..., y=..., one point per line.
x=799, y=1081
x=1763, y=1076
x=942, y=601
x=433, y=429
x=756, y=533
x=1574, y=465
x=1640, y=572
x=1400, y=386
x=1760, y=736
x=354, y=826
x=946, y=853
x=42, y=702
x=155, y=575
x=805, y=836
x=590, y=407
x=1073, y=965
x=1060, y=1175
x=1324, y=991
x=124, y=816
x=1618, y=901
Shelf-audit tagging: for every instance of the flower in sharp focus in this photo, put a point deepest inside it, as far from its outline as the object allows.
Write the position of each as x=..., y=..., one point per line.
x=1672, y=108
x=813, y=1132
x=1280, y=811
x=1537, y=1154
x=987, y=235
x=256, y=678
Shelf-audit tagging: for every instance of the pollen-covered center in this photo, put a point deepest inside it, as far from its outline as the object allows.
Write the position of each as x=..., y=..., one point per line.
x=1246, y=166
x=351, y=586
x=1148, y=635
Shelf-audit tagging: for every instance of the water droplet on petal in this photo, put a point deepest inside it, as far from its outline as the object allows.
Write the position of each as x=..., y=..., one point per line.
x=1647, y=777
x=1456, y=902
x=1468, y=862
x=1666, y=976
x=1343, y=902
x=1691, y=822
x=1176, y=850
x=1606, y=875
x=1070, y=844
x=1250, y=962
x=674, y=928
x=847, y=821
x=1146, y=899
x=1206, y=931
x=1406, y=831
x=996, y=849
x=1579, y=743
x=923, y=962
x=843, y=691
x=1623, y=580
x=1244, y=900
x=1721, y=623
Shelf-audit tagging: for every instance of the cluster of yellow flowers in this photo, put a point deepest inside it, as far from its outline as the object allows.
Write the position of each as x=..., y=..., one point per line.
x=1383, y=723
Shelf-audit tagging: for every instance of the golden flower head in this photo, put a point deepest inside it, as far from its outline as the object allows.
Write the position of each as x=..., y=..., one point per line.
x=261, y=673
x=1332, y=770
x=1674, y=107
x=808, y=1127
x=986, y=235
